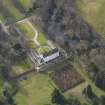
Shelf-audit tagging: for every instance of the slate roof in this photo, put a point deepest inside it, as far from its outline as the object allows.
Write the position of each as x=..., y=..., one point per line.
x=50, y=52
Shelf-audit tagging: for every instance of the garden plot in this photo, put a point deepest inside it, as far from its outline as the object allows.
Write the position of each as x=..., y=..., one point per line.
x=66, y=78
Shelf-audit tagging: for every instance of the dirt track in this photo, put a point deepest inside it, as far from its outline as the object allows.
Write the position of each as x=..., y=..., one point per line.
x=25, y=74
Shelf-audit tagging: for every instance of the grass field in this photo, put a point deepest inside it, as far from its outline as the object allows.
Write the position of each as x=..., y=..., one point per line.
x=15, y=13
x=28, y=30
x=2, y=17
x=41, y=39
x=1, y=87
x=22, y=67
x=43, y=49
x=31, y=44
x=81, y=70
x=37, y=91
x=93, y=11
x=77, y=92
x=12, y=9
x=26, y=3
x=25, y=28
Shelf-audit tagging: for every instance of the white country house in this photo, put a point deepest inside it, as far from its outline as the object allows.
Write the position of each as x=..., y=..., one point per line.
x=47, y=57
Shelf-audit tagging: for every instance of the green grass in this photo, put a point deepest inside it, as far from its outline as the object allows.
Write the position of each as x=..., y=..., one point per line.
x=22, y=67
x=37, y=91
x=2, y=18
x=12, y=9
x=81, y=70
x=41, y=39
x=31, y=44
x=1, y=86
x=93, y=12
x=25, y=28
x=77, y=92
x=44, y=49
x=26, y=3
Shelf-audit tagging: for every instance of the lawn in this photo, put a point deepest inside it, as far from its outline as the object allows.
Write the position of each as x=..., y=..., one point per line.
x=31, y=44
x=26, y=29
x=2, y=18
x=22, y=67
x=41, y=39
x=93, y=11
x=26, y=3
x=77, y=92
x=35, y=91
x=1, y=86
x=44, y=49
x=81, y=70
x=12, y=9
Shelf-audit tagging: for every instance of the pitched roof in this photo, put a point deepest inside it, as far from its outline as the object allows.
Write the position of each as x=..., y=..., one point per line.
x=50, y=52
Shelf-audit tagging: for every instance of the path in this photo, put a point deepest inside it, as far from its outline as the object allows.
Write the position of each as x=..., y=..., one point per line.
x=36, y=32
x=25, y=74
x=22, y=20
x=50, y=44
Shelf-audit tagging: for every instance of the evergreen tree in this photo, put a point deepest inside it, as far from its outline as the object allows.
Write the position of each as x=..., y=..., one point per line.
x=58, y=98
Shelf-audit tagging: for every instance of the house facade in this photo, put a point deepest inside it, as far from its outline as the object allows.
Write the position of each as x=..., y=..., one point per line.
x=51, y=55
